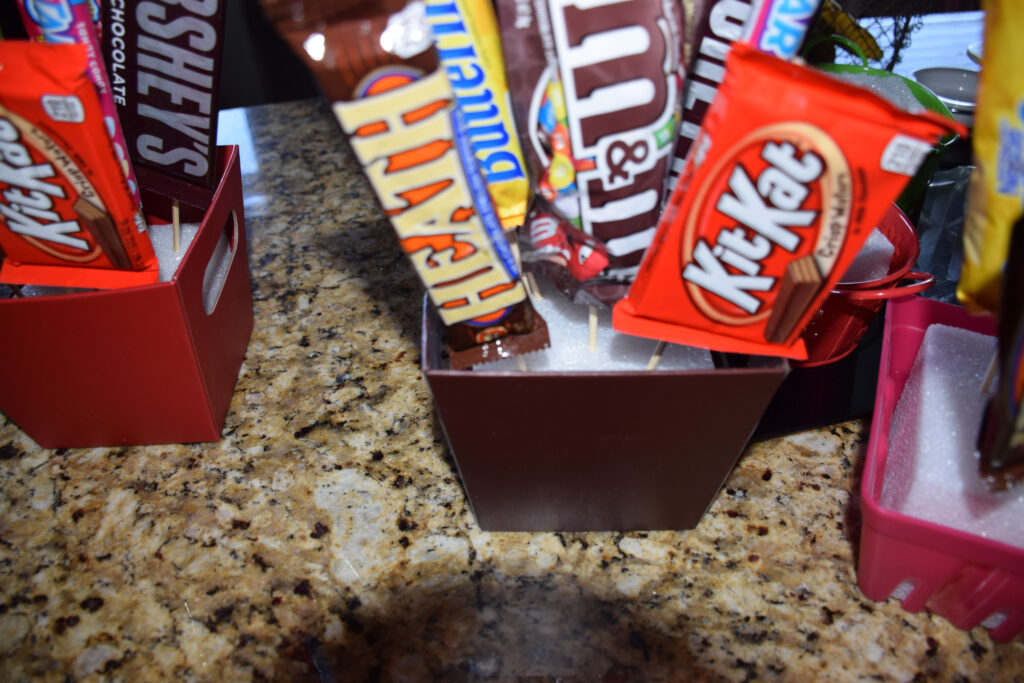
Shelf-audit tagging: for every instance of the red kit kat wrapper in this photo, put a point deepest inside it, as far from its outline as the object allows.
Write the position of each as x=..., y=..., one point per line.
x=67, y=216
x=790, y=174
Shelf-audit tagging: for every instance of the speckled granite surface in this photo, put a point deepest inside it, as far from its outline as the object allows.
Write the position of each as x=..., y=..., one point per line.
x=327, y=536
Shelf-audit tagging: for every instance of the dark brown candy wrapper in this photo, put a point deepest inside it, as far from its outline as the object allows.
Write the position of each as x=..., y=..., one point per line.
x=164, y=63
x=718, y=24
x=596, y=92
x=1001, y=441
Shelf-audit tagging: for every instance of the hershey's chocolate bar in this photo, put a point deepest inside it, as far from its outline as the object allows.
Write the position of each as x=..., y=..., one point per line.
x=164, y=62
x=719, y=23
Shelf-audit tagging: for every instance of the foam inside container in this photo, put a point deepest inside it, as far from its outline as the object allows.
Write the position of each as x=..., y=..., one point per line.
x=570, y=350
x=932, y=468
x=964, y=576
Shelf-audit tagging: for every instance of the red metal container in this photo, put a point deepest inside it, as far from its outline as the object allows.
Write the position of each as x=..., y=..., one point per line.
x=966, y=578
x=844, y=317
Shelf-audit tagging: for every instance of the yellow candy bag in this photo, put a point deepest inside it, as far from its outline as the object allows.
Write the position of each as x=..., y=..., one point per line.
x=467, y=40
x=996, y=192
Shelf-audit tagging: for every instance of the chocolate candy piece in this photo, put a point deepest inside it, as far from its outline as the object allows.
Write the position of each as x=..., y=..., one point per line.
x=164, y=64
x=99, y=225
x=799, y=286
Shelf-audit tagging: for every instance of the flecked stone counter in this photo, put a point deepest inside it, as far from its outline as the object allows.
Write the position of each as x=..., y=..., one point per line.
x=327, y=536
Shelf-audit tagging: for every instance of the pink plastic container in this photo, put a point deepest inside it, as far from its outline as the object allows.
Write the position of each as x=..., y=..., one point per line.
x=967, y=579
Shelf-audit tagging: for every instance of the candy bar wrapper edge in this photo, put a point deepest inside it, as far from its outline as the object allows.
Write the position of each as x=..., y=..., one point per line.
x=398, y=112
x=717, y=25
x=74, y=22
x=776, y=27
x=1001, y=439
x=997, y=140
x=47, y=102
x=826, y=160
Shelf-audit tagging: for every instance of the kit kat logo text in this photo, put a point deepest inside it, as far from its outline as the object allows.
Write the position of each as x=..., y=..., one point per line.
x=35, y=201
x=405, y=139
x=780, y=194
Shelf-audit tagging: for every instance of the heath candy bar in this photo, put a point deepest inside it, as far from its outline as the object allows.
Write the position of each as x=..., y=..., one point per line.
x=378, y=66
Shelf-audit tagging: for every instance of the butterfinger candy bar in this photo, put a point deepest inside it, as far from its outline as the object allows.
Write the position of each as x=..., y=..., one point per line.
x=800, y=285
x=466, y=35
x=790, y=174
x=67, y=217
x=997, y=142
x=396, y=105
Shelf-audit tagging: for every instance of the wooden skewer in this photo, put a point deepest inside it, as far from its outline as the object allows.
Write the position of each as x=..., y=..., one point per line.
x=990, y=374
x=521, y=364
x=593, y=328
x=656, y=356
x=513, y=245
x=531, y=286
x=176, y=224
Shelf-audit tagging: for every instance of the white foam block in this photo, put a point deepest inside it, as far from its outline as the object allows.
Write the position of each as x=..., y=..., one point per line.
x=932, y=468
x=162, y=237
x=568, y=327
x=890, y=87
x=872, y=261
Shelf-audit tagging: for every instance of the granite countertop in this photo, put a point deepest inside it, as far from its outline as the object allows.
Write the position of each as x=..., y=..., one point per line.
x=327, y=535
